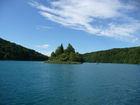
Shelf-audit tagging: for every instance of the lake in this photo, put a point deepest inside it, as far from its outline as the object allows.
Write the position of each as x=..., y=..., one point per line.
x=38, y=83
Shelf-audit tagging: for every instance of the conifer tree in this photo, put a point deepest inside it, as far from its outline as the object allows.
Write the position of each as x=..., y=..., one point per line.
x=59, y=50
x=53, y=54
x=70, y=49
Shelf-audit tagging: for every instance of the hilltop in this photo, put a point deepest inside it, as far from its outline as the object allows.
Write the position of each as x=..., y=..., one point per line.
x=12, y=51
x=116, y=55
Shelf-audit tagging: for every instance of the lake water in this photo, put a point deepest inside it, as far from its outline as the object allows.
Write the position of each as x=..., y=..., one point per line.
x=37, y=83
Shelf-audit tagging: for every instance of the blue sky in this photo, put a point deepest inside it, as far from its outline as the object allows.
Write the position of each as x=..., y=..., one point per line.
x=89, y=25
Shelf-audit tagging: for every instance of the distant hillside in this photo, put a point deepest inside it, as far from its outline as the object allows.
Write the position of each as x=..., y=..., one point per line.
x=117, y=55
x=12, y=51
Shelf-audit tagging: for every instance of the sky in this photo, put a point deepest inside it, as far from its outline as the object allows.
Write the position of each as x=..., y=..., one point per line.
x=89, y=25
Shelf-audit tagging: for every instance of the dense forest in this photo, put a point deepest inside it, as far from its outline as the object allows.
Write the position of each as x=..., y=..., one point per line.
x=12, y=51
x=116, y=55
x=67, y=55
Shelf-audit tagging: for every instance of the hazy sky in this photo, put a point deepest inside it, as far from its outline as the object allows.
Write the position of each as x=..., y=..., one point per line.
x=89, y=25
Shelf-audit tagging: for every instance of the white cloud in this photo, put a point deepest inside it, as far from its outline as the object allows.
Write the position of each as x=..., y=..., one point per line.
x=123, y=32
x=84, y=14
x=42, y=49
x=48, y=53
x=43, y=46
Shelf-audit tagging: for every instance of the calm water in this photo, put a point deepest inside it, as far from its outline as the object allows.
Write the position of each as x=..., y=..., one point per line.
x=37, y=83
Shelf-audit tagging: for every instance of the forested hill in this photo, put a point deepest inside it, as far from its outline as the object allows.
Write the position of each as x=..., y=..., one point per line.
x=12, y=51
x=117, y=55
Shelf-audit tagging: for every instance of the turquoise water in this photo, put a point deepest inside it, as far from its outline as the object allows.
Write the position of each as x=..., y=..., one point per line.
x=37, y=83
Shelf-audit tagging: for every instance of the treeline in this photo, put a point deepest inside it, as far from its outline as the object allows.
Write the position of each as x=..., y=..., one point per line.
x=117, y=55
x=12, y=51
x=68, y=55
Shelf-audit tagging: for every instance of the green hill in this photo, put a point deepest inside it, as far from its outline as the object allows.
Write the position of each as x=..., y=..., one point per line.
x=12, y=51
x=117, y=55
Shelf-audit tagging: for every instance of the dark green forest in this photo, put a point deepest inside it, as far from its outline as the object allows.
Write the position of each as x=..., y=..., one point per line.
x=12, y=51
x=68, y=55
x=116, y=55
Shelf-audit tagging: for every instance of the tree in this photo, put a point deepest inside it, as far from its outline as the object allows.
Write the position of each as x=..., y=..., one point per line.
x=62, y=48
x=64, y=57
x=53, y=54
x=59, y=50
x=70, y=49
x=75, y=57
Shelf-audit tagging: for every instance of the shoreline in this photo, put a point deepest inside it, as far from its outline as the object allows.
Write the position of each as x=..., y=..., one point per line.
x=62, y=62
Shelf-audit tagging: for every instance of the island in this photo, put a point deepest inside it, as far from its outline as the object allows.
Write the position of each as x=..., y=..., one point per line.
x=65, y=56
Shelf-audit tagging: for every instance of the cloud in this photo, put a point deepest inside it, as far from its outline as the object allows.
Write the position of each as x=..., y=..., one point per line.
x=48, y=53
x=123, y=32
x=44, y=46
x=98, y=17
x=42, y=49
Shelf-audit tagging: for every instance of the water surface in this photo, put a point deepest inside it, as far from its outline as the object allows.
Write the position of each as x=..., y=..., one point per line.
x=37, y=83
